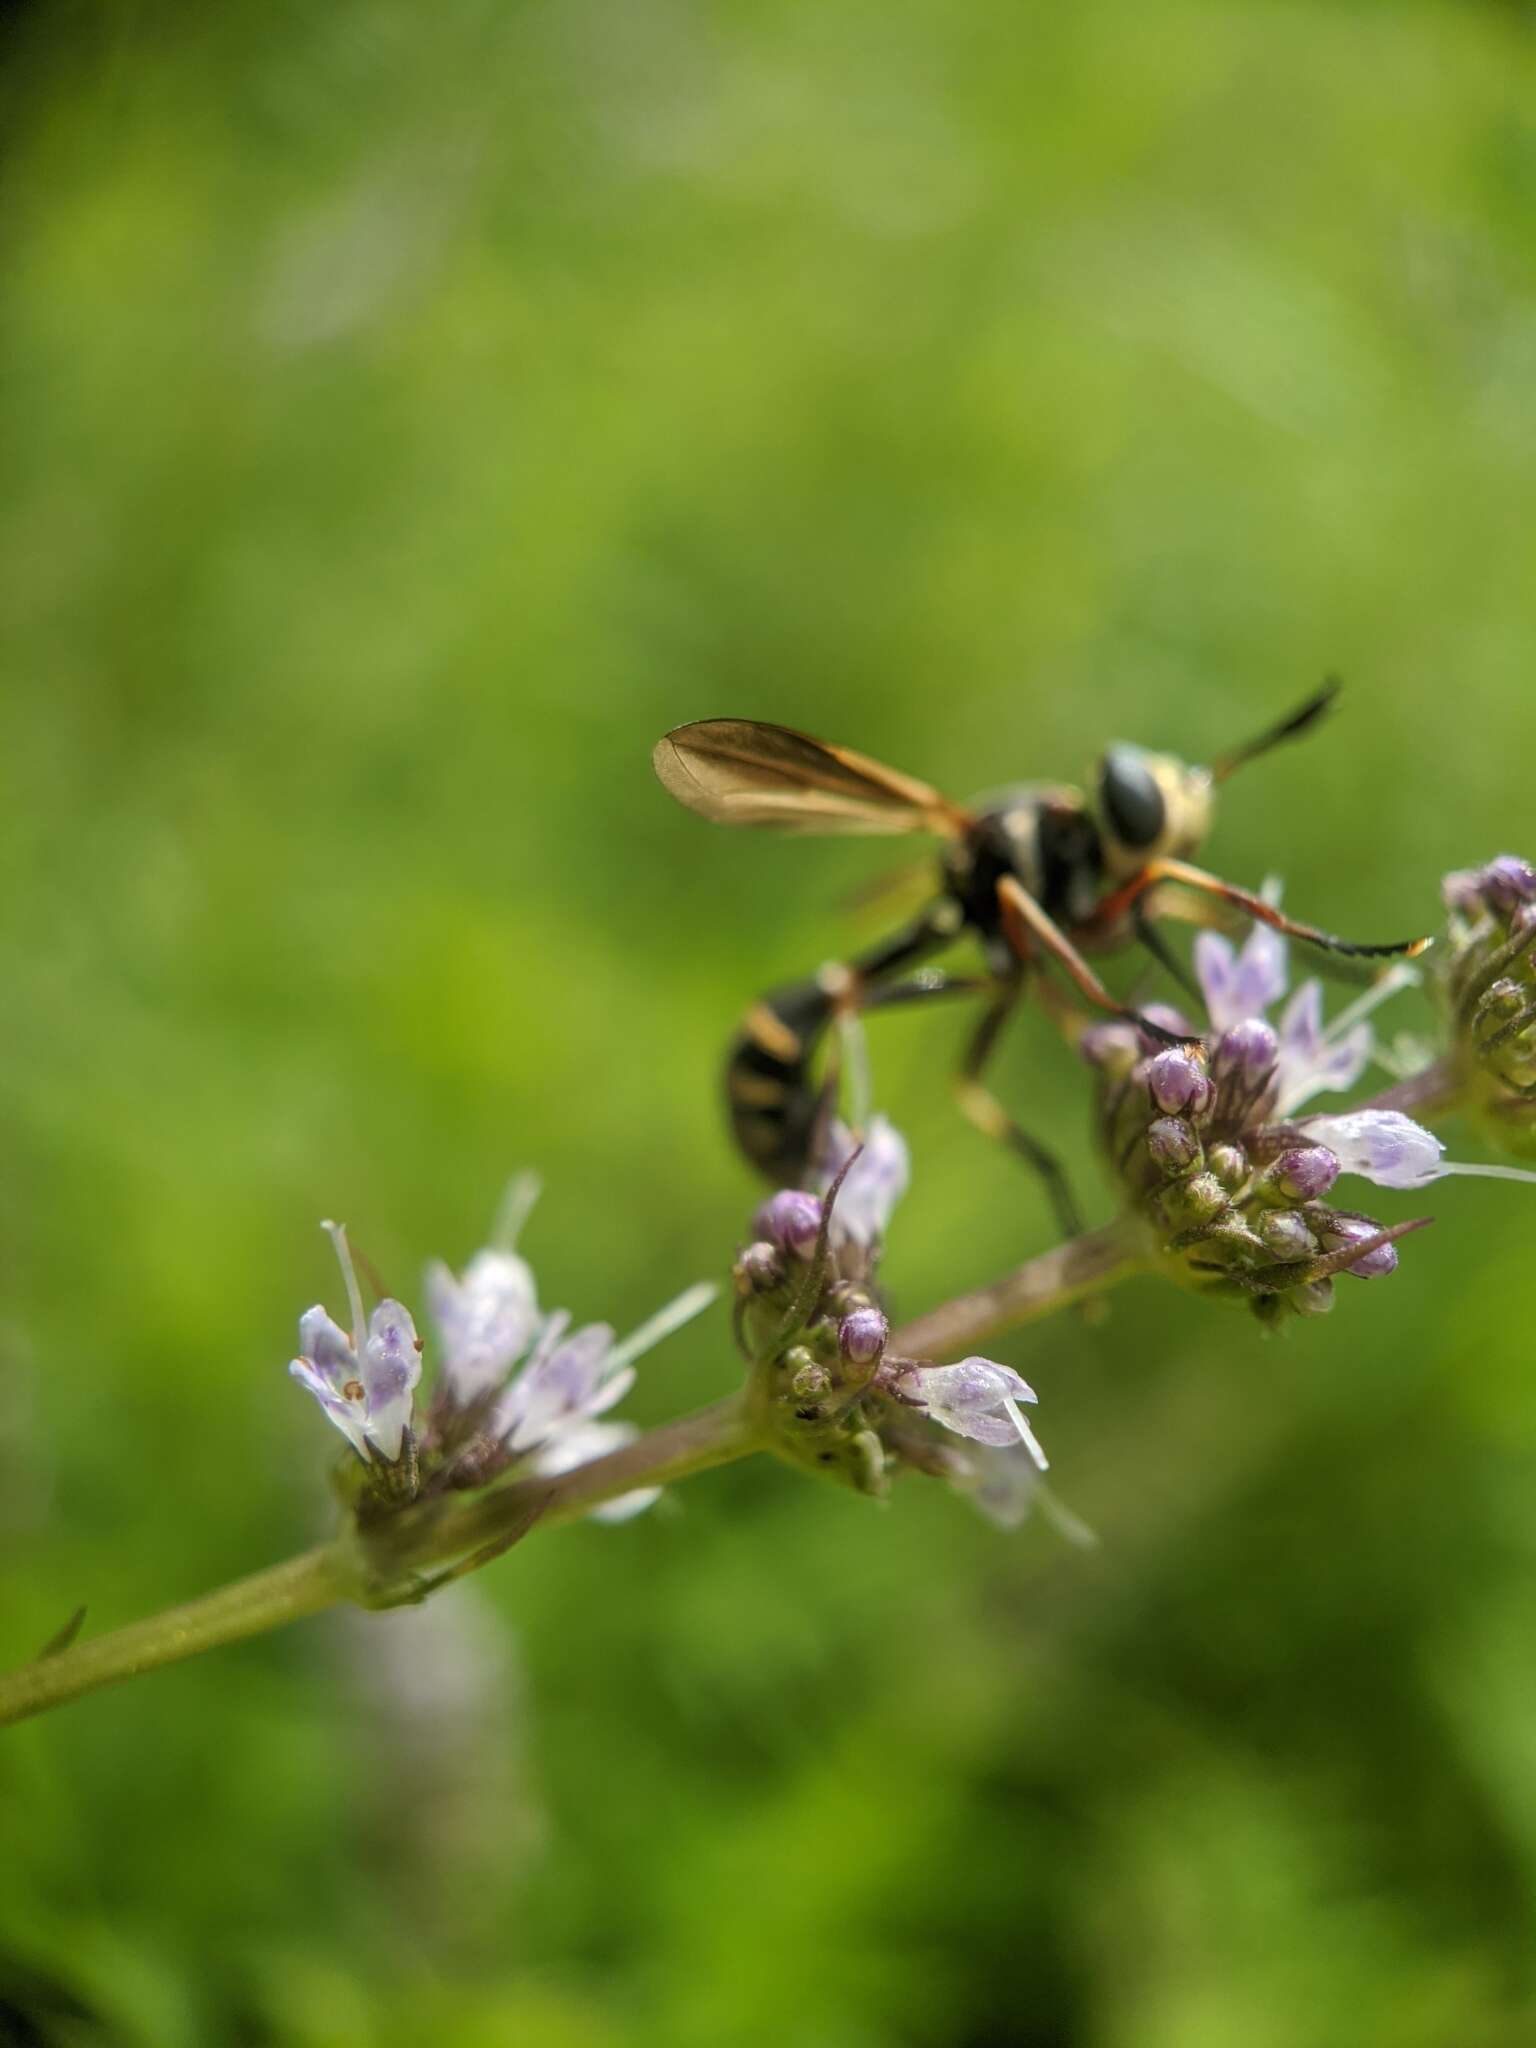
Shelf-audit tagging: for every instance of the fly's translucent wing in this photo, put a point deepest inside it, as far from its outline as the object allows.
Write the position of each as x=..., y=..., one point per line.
x=738, y=771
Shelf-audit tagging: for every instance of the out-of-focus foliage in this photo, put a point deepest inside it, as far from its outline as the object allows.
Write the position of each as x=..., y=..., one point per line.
x=407, y=414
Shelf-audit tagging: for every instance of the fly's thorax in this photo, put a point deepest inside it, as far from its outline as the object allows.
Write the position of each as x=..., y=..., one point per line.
x=1045, y=836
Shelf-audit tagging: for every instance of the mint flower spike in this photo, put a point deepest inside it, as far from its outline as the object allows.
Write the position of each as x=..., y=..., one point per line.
x=363, y=1383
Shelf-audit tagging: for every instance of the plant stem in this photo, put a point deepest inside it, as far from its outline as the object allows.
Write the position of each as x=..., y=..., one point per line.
x=437, y=1532
x=284, y=1592
x=1057, y=1278
x=1433, y=1089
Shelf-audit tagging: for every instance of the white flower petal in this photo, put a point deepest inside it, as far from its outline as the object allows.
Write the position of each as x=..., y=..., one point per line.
x=327, y=1346
x=579, y=1445
x=390, y=1369
x=1382, y=1145
x=486, y=1320
x=347, y=1415
x=876, y=1181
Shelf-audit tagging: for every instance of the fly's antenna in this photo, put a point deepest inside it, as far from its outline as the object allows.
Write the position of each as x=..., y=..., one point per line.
x=1300, y=721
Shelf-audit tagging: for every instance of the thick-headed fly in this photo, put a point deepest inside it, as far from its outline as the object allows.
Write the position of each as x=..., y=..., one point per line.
x=1038, y=873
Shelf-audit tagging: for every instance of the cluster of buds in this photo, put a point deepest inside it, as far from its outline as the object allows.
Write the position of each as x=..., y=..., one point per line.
x=827, y=1387
x=1208, y=1138
x=516, y=1389
x=1488, y=981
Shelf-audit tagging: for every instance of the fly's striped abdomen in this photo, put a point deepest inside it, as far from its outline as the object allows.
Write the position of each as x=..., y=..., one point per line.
x=772, y=1097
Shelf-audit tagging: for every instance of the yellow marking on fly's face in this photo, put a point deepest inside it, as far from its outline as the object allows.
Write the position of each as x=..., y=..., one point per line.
x=765, y=1027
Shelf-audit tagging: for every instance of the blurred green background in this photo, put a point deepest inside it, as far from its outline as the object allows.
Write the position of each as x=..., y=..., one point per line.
x=408, y=413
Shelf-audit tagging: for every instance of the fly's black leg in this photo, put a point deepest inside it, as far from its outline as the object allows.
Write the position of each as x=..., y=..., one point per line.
x=1150, y=937
x=982, y=1108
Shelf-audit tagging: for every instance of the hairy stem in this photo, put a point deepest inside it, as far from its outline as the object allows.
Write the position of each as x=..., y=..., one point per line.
x=1057, y=1278
x=377, y=1571
x=247, y=1607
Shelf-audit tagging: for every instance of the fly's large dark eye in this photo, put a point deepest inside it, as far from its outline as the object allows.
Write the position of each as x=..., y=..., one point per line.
x=1133, y=804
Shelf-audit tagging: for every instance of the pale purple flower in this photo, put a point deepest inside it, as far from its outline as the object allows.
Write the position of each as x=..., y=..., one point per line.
x=874, y=1184
x=1310, y=1057
x=363, y=1382
x=1502, y=884
x=1007, y=1486
x=485, y=1320
x=976, y=1399
x=579, y=1444
x=1238, y=985
x=549, y=1412
x=1390, y=1149
x=1382, y=1145
x=1314, y=1059
x=567, y=1380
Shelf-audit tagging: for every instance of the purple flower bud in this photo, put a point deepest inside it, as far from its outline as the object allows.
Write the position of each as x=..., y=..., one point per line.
x=1286, y=1235
x=1249, y=1049
x=1346, y=1230
x=1178, y=1081
x=760, y=1268
x=861, y=1337
x=1461, y=889
x=1507, y=882
x=1306, y=1172
x=792, y=1219
x=1172, y=1144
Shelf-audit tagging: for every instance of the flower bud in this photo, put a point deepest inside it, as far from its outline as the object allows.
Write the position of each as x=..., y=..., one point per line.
x=1196, y=1202
x=1507, y=882
x=792, y=1219
x=1314, y=1299
x=1178, y=1082
x=1306, y=1172
x=1286, y=1235
x=1229, y=1163
x=759, y=1269
x=861, y=1337
x=1346, y=1230
x=1173, y=1145
x=811, y=1382
x=1247, y=1049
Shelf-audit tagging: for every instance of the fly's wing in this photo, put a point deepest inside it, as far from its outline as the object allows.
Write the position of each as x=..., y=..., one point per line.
x=738, y=771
